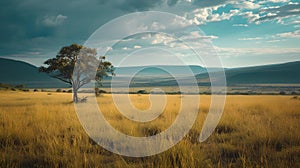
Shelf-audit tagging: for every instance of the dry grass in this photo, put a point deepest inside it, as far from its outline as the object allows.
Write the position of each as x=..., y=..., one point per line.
x=42, y=130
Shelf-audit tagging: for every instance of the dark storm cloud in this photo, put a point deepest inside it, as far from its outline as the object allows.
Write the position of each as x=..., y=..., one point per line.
x=32, y=25
x=280, y=12
x=209, y=3
x=137, y=5
x=18, y=25
x=172, y=2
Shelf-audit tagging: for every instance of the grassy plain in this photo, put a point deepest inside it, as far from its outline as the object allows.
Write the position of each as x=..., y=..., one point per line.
x=39, y=129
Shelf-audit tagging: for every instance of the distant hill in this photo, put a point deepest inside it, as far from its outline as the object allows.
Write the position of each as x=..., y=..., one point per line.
x=156, y=75
x=287, y=73
x=18, y=72
x=160, y=70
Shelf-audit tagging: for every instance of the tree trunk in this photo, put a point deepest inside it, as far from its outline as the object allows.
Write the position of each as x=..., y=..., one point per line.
x=75, y=96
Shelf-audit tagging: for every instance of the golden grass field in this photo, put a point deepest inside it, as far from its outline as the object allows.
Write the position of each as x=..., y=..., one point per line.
x=39, y=129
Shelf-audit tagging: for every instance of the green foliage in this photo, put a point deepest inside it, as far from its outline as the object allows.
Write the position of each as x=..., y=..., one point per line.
x=99, y=91
x=141, y=92
x=282, y=93
x=85, y=62
x=20, y=86
x=5, y=86
x=13, y=87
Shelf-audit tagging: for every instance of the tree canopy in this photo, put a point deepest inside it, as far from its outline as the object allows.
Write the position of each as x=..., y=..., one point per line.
x=78, y=65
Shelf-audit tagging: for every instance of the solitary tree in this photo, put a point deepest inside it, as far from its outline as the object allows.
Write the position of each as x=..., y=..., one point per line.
x=88, y=67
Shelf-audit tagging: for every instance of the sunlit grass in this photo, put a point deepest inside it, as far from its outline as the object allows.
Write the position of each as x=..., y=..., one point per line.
x=42, y=130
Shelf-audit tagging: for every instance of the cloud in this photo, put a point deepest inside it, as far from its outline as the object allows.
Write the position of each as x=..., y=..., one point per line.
x=268, y=8
x=246, y=4
x=223, y=16
x=162, y=39
x=250, y=39
x=209, y=3
x=279, y=13
x=294, y=3
x=252, y=17
x=137, y=47
x=202, y=16
x=271, y=12
x=52, y=21
x=29, y=24
x=240, y=25
x=156, y=26
x=274, y=1
x=210, y=37
x=256, y=51
x=172, y=2
x=136, y=5
x=273, y=41
x=195, y=36
x=294, y=34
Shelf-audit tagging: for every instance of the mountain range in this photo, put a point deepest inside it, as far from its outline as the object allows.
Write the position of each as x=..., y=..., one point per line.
x=17, y=72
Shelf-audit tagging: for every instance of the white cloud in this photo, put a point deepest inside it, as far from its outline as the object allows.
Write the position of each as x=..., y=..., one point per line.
x=252, y=17
x=268, y=8
x=161, y=39
x=256, y=51
x=273, y=1
x=52, y=21
x=250, y=39
x=203, y=12
x=273, y=41
x=210, y=37
x=271, y=14
x=195, y=36
x=276, y=11
x=278, y=1
x=279, y=14
x=108, y=49
x=147, y=36
x=224, y=16
x=210, y=3
x=137, y=47
x=201, y=16
x=294, y=34
x=294, y=10
x=156, y=26
x=246, y=4
x=293, y=3
x=240, y=25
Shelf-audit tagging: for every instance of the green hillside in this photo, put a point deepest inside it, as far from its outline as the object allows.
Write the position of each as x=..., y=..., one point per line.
x=17, y=72
x=287, y=73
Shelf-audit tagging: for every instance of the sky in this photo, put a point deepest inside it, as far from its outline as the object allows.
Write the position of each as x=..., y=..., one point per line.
x=241, y=32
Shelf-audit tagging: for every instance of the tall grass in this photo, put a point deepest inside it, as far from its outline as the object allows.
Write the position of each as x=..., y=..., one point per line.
x=42, y=130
